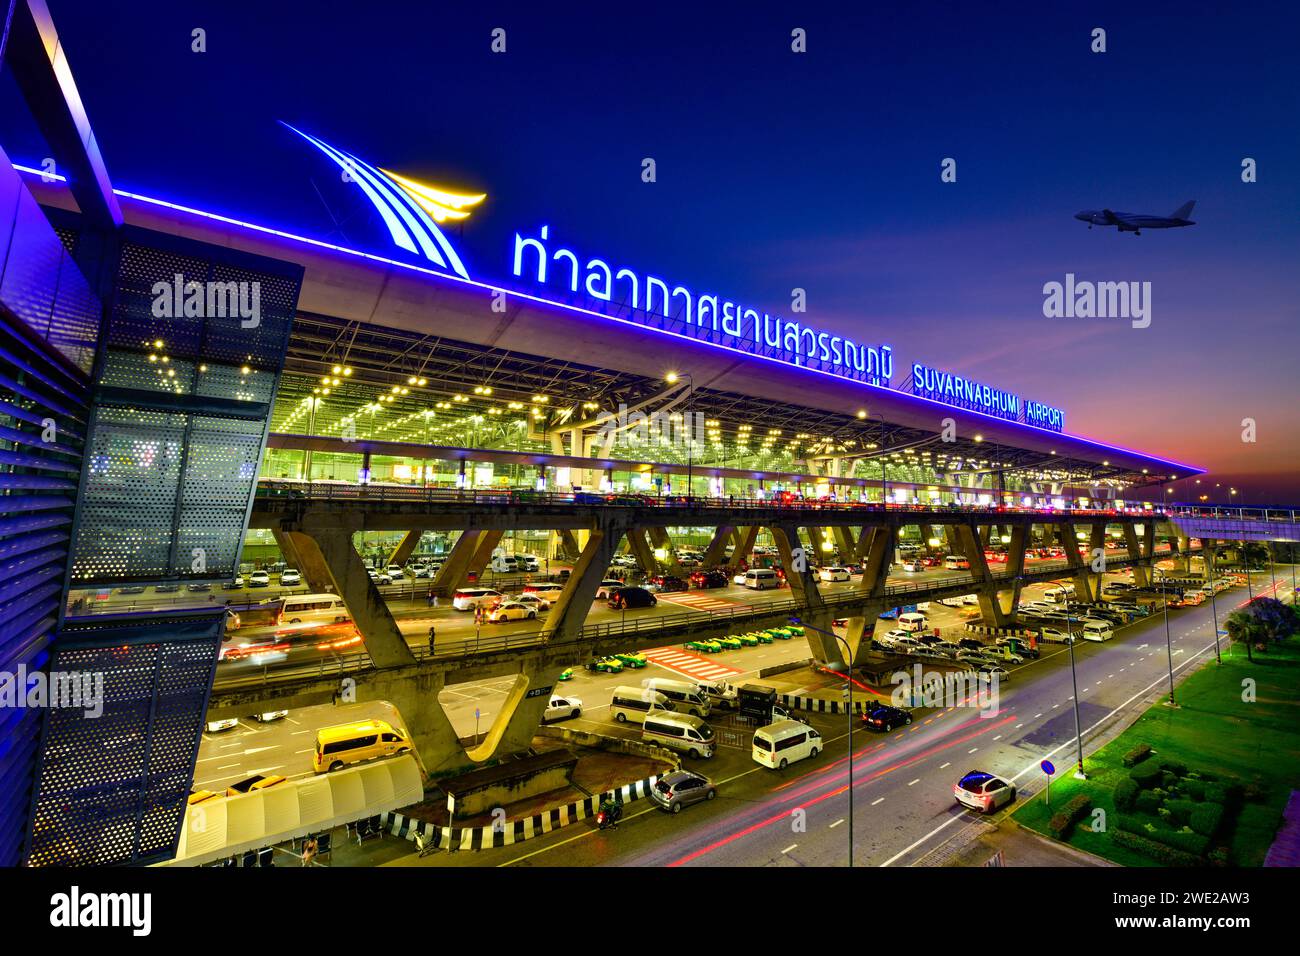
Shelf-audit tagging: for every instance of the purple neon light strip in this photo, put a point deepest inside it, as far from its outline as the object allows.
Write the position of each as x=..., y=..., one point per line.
x=320, y=244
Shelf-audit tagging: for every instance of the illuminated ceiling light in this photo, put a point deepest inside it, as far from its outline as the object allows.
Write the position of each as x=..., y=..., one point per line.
x=406, y=391
x=396, y=388
x=421, y=381
x=324, y=391
x=862, y=413
x=1104, y=463
x=153, y=358
x=204, y=368
x=157, y=343
x=337, y=369
x=671, y=378
x=541, y=399
x=245, y=370
x=346, y=371
x=979, y=437
x=411, y=381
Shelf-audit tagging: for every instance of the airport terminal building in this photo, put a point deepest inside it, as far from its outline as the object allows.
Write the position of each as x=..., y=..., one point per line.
x=160, y=361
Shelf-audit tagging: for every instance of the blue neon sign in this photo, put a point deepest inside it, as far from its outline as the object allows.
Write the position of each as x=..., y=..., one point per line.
x=962, y=392
x=709, y=317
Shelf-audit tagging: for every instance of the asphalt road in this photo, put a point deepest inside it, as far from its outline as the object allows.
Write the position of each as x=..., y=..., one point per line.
x=902, y=791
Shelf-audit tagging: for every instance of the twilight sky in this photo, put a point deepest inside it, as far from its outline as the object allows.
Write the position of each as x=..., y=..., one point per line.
x=779, y=170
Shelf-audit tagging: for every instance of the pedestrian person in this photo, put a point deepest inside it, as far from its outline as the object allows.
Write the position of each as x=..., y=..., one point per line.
x=431, y=598
x=309, y=849
x=432, y=636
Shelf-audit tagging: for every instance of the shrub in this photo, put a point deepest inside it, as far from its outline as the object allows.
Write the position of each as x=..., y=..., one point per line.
x=1205, y=818
x=1218, y=856
x=1159, y=852
x=1168, y=779
x=1174, y=767
x=1062, y=822
x=1137, y=755
x=1216, y=793
x=1181, y=810
x=1185, y=840
x=1194, y=788
x=1146, y=775
x=1148, y=802
x=1125, y=794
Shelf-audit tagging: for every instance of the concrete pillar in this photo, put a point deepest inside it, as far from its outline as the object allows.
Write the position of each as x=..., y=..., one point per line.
x=383, y=639
x=487, y=543
x=455, y=570
x=844, y=542
x=641, y=550
x=1078, y=569
x=516, y=723
x=716, y=553
x=803, y=588
x=570, y=610
x=971, y=546
x=569, y=547
x=745, y=538
x=301, y=552
x=415, y=695
x=405, y=548
x=660, y=538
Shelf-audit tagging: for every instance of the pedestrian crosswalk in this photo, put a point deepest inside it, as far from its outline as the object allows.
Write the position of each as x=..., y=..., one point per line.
x=697, y=601
x=691, y=665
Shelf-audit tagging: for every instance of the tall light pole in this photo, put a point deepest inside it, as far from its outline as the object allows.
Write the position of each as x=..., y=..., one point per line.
x=1207, y=554
x=1169, y=646
x=848, y=707
x=1074, y=680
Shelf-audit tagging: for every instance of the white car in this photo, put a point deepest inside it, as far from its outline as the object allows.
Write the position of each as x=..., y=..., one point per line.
x=536, y=601
x=511, y=611
x=216, y=726
x=739, y=579
x=528, y=562
x=834, y=575
x=290, y=578
x=911, y=566
x=259, y=579
x=984, y=792
x=1055, y=634
x=562, y=708
x=607, y=589
x=269, y=715
x=394, y=571
x=380, y=577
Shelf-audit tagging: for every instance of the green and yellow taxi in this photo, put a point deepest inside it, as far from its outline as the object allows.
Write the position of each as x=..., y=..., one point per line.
x=761, y=636
x=780, y=633
x=606, y=665
x=731, y=643
x=633, y=660
x=567, y=674
x=748, y=640
x=704, y=647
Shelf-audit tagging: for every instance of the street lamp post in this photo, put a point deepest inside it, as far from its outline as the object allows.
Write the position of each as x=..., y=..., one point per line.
x=1208, y=559
x=1074, y=681
x=848, y=658
x=1169, y=646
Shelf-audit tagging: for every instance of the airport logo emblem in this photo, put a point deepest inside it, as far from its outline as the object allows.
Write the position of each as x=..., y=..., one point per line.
x=411, y=210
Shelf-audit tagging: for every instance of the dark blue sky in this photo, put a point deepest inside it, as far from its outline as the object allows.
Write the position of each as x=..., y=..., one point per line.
x=778, y=170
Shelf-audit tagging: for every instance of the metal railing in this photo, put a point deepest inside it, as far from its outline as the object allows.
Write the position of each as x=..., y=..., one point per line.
x=662, y=626
x=381, y=492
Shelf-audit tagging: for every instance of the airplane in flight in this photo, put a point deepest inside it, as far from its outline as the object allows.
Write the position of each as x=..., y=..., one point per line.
x=1134, y=223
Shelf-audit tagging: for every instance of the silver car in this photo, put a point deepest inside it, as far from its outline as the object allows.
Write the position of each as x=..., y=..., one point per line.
x=680, y=788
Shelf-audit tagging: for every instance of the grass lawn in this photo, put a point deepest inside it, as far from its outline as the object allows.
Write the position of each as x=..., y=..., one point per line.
x=1212, y=731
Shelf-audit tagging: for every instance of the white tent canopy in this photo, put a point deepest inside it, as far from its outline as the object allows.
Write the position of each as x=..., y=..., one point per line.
x=228, y=826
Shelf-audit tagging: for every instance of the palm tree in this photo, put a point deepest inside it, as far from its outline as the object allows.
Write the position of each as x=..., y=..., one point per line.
x=1243, y=627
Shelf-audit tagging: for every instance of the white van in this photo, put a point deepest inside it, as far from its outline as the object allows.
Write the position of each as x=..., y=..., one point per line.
x=313, y=607
x=1097, y=631
x=686, y=698
x=466, y=599
x=637, y=703
x=761, y=579
x=683, y=732
x=913, y=621
x=1059, y=594
x=785, y=742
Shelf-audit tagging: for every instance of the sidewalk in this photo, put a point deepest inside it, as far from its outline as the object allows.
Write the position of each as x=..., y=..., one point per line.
x=1020, y=847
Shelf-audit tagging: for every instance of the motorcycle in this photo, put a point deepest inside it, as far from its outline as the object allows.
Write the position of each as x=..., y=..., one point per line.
x=609, y=814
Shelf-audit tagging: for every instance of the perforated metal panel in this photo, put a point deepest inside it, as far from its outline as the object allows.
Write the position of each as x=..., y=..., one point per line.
x=112, y=789
x=184, y=393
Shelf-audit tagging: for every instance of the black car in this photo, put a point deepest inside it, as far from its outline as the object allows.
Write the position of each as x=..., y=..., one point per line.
x=669, y=582
x=970, y=643
x=884, y=717
x=631, y=597
x=712, y=578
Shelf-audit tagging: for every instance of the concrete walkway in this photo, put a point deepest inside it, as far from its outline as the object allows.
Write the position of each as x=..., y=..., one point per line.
x=1012, y=845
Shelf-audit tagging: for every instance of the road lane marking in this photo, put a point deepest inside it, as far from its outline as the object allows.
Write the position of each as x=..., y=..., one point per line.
x=915, y=782
x=789, y=848
x=946, y=765
x=877, y=800
x=836, y=823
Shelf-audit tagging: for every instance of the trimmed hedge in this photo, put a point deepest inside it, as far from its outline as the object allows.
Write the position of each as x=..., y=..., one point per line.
x=1174, y=767
x=1205, y=818
x=1147, y=802
x=1125, y=794
x=1061, y=823
x=1145, y=775
x=1137, y=755
x=1156, y=851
